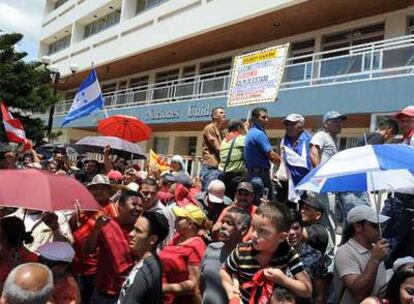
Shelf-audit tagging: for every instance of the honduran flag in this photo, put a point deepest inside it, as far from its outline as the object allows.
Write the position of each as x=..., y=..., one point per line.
x=13, y=126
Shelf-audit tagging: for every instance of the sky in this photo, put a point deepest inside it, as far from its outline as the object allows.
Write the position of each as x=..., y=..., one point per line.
x=25, y=17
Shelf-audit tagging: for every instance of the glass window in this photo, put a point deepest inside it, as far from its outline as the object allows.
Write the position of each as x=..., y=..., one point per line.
x=352, y=37
x=59, y=44
x=161, y=145
x=102, y=23
x=143, y=5
x=165, y=90
x=59, y=3
x=410, y=26
x=218, y=82
x=140, y=93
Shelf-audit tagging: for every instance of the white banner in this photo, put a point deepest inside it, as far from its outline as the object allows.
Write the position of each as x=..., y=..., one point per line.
x=256, y=76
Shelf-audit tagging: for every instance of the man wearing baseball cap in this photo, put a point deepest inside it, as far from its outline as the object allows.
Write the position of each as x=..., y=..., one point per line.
x=294, y=148
x=323, y=143
x=406, y=121
x=360, y=270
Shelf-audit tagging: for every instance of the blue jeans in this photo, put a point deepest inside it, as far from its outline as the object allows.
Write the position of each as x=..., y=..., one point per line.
x=260, y=179
x=97, y=298
x=86, y=287
x=207, y=174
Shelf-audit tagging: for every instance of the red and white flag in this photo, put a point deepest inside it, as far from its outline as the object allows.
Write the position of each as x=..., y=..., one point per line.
x=13, y=126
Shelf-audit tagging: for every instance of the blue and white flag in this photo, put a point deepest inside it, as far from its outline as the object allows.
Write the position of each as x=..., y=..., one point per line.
x=87, y=100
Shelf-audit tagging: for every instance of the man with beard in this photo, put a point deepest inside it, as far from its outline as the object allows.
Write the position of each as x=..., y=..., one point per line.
x=111, y=236
x=144, y=284
x=235, y=225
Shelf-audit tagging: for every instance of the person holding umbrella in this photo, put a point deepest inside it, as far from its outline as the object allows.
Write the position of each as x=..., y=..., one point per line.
x=359, y=263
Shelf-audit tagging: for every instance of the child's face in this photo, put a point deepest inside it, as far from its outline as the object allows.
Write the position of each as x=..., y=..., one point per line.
x=265, y=236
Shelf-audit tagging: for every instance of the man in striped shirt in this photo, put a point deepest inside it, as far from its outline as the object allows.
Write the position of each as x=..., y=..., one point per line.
x=269, y=253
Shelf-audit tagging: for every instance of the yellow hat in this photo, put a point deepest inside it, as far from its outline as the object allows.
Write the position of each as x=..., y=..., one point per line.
x=191, y=212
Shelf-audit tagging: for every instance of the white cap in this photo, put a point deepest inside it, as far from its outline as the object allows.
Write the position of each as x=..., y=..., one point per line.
x=216, y=189
x=57, y=251
x=100, y=179
x=402, y=261
x=294, y=118
x=365, y=213
x=178, y=159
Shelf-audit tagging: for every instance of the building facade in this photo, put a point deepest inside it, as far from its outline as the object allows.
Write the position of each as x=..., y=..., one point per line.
x=169, y=62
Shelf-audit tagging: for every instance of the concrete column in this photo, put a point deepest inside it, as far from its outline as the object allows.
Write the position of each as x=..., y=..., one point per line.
x=396, y=25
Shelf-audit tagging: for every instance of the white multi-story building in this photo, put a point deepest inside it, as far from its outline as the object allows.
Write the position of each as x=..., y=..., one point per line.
x=169, y=61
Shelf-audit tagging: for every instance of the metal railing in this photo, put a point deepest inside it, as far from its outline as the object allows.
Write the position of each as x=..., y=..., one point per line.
x=381, y=59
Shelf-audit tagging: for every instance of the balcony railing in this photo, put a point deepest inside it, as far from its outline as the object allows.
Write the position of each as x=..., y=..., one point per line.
x=382, y=59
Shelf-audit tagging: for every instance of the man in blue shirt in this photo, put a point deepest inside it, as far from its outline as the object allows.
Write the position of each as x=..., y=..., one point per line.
x=258, y=152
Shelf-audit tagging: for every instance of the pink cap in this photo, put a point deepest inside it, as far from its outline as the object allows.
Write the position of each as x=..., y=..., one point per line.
x=115, y=175
x=407, y=111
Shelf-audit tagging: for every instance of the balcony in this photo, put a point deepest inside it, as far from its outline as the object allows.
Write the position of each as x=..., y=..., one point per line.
x=382, y=59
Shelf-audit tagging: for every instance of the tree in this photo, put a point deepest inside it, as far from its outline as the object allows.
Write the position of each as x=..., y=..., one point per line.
x=24, y=86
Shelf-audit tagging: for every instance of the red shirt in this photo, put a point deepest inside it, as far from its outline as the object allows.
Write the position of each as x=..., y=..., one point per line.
x=66, y=291
x=86, y=264
x=114, y=261
x=175, y=259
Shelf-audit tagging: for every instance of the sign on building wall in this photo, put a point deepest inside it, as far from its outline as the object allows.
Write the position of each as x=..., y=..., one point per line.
x=256, y=76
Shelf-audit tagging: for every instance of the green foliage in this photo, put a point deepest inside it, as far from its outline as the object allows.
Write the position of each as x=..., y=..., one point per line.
x=24, y=85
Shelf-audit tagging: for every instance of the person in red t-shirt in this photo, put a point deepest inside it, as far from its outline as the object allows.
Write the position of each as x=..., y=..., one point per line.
x=181, y=258
x=243, y=199
x=84, y=266
x=111, y=236
x=12, y=252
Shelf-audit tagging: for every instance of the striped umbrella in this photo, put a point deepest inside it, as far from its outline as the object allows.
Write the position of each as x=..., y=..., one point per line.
x=388, y=167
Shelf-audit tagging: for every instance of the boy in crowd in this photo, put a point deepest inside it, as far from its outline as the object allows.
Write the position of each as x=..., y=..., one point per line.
x=268, y=253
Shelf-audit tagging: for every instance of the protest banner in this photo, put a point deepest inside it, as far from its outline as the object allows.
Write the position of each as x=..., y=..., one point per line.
x=256, y=76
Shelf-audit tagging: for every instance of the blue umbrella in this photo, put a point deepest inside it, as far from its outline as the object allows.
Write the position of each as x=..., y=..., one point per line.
x=386, y=167
x=369, y=168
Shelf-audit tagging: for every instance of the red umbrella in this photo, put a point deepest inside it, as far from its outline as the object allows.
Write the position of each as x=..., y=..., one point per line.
x=41, y=190
x=126, y=127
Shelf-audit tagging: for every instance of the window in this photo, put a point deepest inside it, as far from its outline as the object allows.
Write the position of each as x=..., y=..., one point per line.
x=186, y=86
x=349, y=38
x=298, y=49
x=109, y=91
x=410, y=25
x=59, y=44
x=161, y=145
x=102, y=23
x=217, y=65
x=59, y=3
x=143, y=5
x=140, y=93
x=165, y=90
x=299, y=69
x=219, y=81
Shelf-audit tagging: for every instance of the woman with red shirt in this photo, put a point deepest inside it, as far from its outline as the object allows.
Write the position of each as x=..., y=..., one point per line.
x=12, y=252
x=181, y=258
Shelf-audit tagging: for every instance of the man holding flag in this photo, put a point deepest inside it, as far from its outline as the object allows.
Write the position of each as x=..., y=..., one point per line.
x=87, y=100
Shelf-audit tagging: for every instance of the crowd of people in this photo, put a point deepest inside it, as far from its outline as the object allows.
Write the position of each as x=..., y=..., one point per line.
x=238, y=233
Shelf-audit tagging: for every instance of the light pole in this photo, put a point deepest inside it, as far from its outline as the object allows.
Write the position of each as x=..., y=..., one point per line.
x=55, y=76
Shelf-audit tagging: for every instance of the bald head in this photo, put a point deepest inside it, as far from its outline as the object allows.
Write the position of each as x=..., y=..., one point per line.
x=28, y=283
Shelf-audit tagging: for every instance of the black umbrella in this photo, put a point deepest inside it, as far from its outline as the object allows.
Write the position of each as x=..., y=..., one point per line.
x=120, y=147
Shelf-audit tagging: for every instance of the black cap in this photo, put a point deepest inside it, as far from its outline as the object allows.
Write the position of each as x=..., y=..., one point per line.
x=312, y=200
